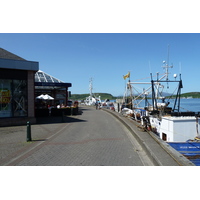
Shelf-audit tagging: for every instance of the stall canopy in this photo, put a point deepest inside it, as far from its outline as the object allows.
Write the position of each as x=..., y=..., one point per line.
x=45, y=97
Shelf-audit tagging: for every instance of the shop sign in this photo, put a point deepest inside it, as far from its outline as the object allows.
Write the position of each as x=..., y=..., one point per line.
x=5, y=96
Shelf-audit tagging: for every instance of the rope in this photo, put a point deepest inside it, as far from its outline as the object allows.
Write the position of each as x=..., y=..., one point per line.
x=147, y=77
x=172, y=94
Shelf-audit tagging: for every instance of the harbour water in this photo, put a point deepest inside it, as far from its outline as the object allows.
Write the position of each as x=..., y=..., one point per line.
x=186, y=105
x=190, y=105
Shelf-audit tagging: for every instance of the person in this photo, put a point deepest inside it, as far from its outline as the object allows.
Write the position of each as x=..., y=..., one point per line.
x=62, y=105
x=96, y=104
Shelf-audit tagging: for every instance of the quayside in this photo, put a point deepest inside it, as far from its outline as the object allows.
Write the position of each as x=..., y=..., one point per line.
x=161, y=112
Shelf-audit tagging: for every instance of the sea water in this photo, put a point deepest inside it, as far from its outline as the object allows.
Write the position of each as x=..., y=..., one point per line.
x=190, y=104
x=186, y=105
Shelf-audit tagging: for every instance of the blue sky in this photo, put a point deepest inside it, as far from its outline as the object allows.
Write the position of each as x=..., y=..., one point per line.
x=106, y=57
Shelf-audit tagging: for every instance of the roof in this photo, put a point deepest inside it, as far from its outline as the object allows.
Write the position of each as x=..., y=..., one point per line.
x=8, y=55
x=46, y=80
x=9, y=60
x=41, y=76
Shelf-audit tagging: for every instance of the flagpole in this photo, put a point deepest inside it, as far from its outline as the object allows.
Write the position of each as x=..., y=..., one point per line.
x=130, y=88
x=125, y=95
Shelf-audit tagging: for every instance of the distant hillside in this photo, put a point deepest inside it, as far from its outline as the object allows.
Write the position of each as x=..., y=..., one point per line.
x=188, y=94
x=191, y=94
x=83, y=96
x=110, y=96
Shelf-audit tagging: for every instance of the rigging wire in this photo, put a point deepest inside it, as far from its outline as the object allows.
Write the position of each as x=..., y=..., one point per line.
x=147, y=77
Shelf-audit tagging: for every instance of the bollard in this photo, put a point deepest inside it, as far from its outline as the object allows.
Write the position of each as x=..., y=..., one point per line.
x=28, y=137
x=71, y=110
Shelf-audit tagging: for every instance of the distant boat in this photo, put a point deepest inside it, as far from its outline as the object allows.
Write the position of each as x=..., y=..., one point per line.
x=91, y=99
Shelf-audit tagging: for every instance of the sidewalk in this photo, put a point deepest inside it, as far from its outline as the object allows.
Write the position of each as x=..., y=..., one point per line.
x=161, y=153
x=13, y=139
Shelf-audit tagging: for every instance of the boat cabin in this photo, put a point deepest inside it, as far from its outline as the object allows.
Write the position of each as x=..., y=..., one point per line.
x=179, y=129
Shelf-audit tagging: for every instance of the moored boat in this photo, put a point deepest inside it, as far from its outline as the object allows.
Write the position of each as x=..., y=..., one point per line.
x=190, y=149
x=179, y=129
x=91, y=99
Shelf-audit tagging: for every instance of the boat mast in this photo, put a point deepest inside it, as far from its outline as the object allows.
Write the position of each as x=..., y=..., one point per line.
x=90, y=87
x=166, y=66
x=157, y=83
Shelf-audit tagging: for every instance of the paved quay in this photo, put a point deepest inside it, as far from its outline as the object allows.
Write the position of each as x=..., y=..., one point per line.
x=94, y=138
x=161, y=153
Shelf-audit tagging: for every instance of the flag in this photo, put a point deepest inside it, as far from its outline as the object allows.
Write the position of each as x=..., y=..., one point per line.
x=126, y=76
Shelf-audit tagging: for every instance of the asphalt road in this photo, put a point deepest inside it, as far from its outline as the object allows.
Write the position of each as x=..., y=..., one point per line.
x=94, y=138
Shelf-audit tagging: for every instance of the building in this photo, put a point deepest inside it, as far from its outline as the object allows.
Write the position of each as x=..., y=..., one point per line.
x=20, y=83
x=16, y=89
x=47, y=84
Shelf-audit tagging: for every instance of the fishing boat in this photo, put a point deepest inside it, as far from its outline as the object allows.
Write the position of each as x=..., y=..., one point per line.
x=161, y=114
x=91, y=99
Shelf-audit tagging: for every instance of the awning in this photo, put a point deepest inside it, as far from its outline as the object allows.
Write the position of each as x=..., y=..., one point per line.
x=45, y=97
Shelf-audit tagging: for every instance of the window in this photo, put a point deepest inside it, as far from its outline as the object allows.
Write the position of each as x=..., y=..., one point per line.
x=5, y=98
x=19, y=99
x=13, y=98
x=164, y=136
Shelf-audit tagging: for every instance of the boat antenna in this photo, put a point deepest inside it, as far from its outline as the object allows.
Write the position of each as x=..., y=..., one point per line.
x=168, y=54
x=166, y=66
x=149, y=66
x=180, y=67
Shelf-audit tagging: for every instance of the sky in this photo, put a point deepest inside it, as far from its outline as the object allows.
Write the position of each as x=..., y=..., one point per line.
x=105, y=57
x=75, y=41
